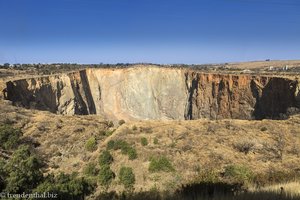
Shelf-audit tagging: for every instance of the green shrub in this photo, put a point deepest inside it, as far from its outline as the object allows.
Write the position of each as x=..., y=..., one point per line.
x=237, y=173
x=91, y=144
x=127, y=177
x=117, y=144
x=121, y=122
x=134, y=128
x=9, y=137
x=90, y=169
x=23, y=171
x=66, y=186
x=110, y=145
x=107, y=132
x=132, y=154
x=160, y=163
x=126, y=149
x=105, y=158
x=144, y=141
x=106, y=175
x=155, y=141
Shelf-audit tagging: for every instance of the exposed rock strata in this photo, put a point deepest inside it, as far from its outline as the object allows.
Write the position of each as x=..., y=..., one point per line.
x=158, y=93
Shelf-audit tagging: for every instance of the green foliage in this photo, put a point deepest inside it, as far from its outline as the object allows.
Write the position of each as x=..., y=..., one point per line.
x=107, y=132
x=237, y=173
x=160, y=163
x=126, y=149
x=9, y=137
x=91, y=144
x=144, y=141
x=121, y=122
x=105, y=158
x=127, y=177
x=117, y=144
x=132, y=154
x=155, y=141
x=66, y=186
x=90, y=169
x=110, y=145
x=134, y=128
x=23, y=171
x=106, y=175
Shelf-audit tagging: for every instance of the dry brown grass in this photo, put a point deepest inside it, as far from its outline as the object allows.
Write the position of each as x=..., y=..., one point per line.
x=291, y=189
x=192, y=146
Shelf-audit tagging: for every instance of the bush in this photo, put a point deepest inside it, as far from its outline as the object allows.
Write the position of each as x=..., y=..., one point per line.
x=244, y=146
x=161, y=163
x=127, y=177
x=134, y=128
x=110, y=145
x=107, y=132
x=144, y=141
x=155, y=141
x=91, y=144
x=23, y=171
x=90, y=169
x=105, y=158
x=236, y=173
x=9, y=137
x=124, y=146
x=132, y=154
x=117, y=144
x=106, y=175
x=66, y=186
x=121, y=122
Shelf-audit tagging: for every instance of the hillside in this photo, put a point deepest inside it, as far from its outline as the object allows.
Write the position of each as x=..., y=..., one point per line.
x=153, y=132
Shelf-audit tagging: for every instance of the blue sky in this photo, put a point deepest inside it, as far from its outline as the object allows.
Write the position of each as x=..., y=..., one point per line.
x=157, y=31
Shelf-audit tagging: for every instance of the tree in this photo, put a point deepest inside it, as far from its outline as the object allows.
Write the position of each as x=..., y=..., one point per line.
x=23, y=171
x=67, y=186
x=9, y=137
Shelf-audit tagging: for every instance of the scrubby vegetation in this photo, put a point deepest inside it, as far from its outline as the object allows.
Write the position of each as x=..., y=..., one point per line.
x=236, y=173
x=90, y=169
x=155, y=140
x=122, y=121
x=66, y=186
x=105, y=158
x=144, y=141
x=126, y=149
x=91, y=144
x=127, y=177
x=22, y=171
x=9, y=137
x=160, y=163
x=106, y=175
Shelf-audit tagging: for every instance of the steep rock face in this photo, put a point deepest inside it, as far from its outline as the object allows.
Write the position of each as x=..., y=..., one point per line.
x=157, y=93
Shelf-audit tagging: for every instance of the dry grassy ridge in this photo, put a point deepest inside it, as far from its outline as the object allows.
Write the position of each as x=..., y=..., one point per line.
x=191, y=146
